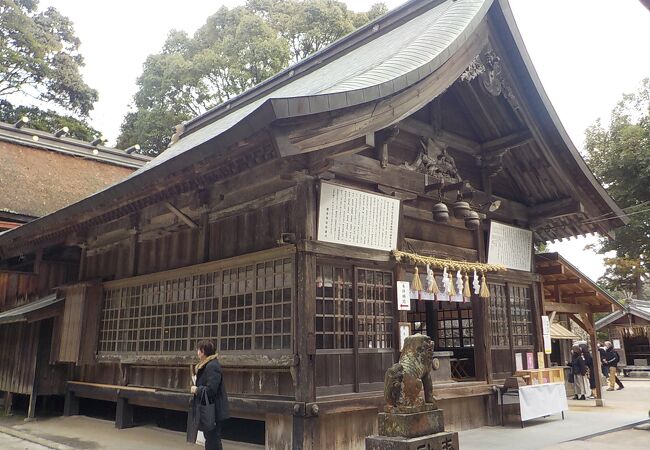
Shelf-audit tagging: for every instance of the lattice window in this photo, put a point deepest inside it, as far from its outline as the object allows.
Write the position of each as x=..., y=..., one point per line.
x=237, y=309
x=455, y=327
x=177, y=307
x=171, y=315
x=375, y=308
x=274, y=280
x=521, y=315
x=499, y=316
x=151, y=317
x=109, y=318
x=334, y=321
x=417, y=317
x=128, y=323
x=204, y=323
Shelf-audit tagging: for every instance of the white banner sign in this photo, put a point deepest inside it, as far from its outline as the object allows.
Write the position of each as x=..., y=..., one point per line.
x=541, y=400
x=353, y=217
x=403, y=296
x=510, y=246
x=546, y=334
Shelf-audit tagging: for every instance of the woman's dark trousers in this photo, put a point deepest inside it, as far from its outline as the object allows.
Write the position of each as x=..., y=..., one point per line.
x=213, y=438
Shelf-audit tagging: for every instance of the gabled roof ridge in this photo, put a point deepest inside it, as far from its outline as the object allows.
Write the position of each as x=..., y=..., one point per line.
x=347, y=43
x=30, y=137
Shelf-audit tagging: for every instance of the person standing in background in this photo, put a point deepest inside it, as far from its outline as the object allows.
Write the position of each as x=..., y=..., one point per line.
x=590, y=377
x=578, y=371
x=612, y=359
x=209, y=379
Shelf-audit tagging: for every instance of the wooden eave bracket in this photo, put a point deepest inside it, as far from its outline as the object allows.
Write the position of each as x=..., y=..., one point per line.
x=181, y=215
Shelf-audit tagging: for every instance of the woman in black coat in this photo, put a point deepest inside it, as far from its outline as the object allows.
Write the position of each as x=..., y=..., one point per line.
x=209, y=379
x=591, y=373
x=578, y=371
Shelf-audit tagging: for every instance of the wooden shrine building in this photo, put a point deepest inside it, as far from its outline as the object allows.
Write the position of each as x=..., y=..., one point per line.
x=630, y=326
x=272, y=226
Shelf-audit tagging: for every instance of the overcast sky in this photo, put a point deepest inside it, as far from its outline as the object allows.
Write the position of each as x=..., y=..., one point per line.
x=586, y=52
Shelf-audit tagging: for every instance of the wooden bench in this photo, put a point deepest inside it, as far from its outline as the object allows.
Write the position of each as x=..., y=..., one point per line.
x=125, y=397
x=627, y=369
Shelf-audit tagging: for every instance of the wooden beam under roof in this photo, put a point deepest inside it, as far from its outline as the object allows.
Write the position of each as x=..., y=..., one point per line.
x=575, y=308
x=555, y=209
x=181, y=215
x=418, y=128
x=572, y=280
x=369, y=170
x=555, y=269
x=580, y=294
x=508, y=142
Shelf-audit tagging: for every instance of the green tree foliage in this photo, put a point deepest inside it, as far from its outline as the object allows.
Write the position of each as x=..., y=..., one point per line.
x=619, y=155
x=233, y=51
x=49, y=121
x=39, y=57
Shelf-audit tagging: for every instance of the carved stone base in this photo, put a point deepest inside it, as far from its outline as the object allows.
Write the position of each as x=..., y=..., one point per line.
x=411, y=425
x=447, y=440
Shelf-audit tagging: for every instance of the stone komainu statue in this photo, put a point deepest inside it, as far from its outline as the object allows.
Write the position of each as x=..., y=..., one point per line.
x=405, y=380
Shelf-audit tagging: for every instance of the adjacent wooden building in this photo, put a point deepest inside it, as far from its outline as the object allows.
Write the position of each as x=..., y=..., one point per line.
x=630, y=327
x=41, y=172
x=241, y=232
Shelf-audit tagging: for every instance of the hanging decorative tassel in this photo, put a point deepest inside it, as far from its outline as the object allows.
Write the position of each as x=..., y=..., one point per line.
x=467, y=293
x=476, y=284
x=445, y=281
x=459, y=283
x=431, y=285
x=416, y=284
x=485, y=292
x=452, y=290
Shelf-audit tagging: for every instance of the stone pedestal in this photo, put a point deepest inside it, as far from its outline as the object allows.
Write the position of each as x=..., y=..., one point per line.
x=423, y=430
x=446, y=440
x=411, y=425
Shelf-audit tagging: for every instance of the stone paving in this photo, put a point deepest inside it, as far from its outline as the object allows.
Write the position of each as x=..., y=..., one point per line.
x=622, y=408
x=576, y=432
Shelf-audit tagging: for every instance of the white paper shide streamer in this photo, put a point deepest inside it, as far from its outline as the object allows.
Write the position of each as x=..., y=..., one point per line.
x=445, y=281
x=459, y=282
x=476, y=284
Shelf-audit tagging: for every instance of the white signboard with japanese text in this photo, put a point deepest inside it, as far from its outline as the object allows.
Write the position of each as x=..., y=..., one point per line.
x=510, y=246
x=546, y=334
x=403, y=296
x=353, y=217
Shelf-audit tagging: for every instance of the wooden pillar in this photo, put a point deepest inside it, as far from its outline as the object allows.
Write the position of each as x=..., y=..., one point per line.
x=132, y=263
x=192, y=432
x=33, y=395
x=9, y=398
x=596, y=358
x=203, y=253
x=31, y=410
x=71, y=405
x=82, y=261
x=481, y=318
x=123, y=413
x=305, y=310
